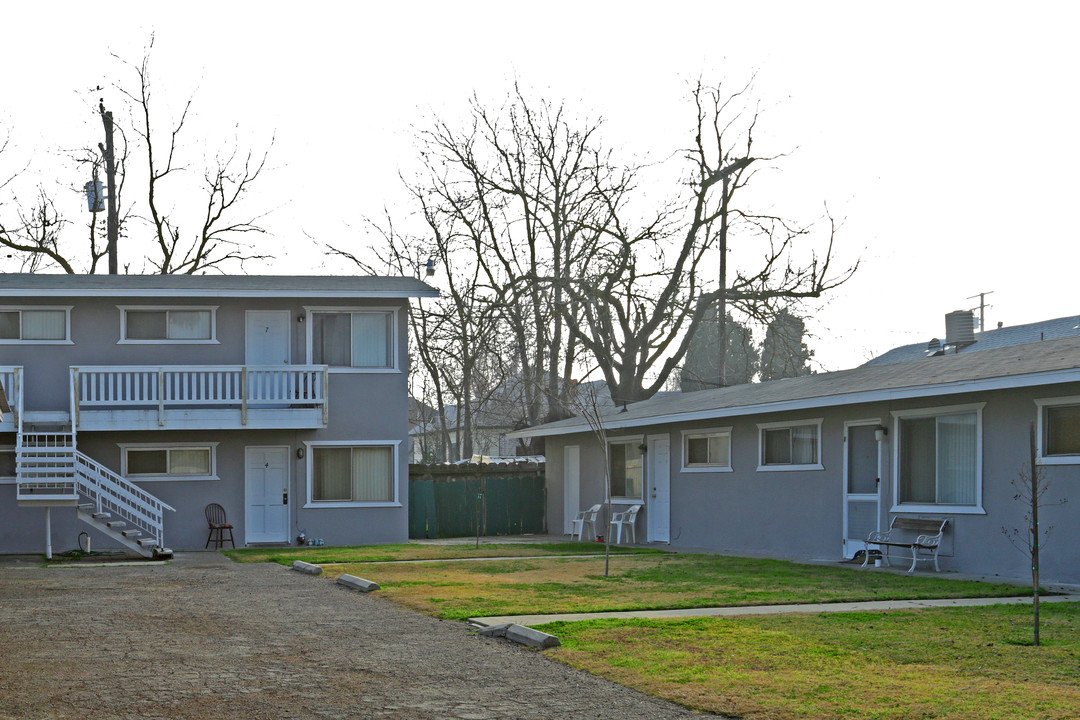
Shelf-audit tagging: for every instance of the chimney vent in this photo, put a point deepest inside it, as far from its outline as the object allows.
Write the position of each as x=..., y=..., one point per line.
x=960, y=328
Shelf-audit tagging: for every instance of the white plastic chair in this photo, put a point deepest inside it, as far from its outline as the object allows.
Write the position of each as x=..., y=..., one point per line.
x=625, y=519
x=583, y=518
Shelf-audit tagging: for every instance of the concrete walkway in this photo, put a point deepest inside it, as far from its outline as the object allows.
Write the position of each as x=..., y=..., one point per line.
x=204, y=638
x=810, y=608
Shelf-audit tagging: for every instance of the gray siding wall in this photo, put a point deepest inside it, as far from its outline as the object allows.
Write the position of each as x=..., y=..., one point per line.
x=363, y=407
x=800, y=514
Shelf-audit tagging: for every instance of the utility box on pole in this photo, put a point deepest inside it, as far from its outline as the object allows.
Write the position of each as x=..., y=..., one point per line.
x=95, y=195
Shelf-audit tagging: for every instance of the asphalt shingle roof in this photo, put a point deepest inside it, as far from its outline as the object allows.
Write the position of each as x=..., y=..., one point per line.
x=34, y=284
x=991, y=339
x=931, y=375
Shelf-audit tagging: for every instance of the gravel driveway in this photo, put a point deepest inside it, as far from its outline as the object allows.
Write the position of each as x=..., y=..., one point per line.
x=206, y=638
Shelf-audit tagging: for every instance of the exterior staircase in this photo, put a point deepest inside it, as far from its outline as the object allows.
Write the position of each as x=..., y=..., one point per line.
x=52, y=472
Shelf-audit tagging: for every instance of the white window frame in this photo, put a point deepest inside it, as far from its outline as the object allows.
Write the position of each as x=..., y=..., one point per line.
x=788, y=424
x=1041, y=404
x=124, y=309
x=687, y=435
x=125, y=447
x=898, y=415
x=56, y=308
x=309, y=462
x=395, y=363
x=627, y=440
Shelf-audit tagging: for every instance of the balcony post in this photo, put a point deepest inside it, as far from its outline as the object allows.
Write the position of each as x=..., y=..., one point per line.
x=75, y=397
x=326, y=396
x=161, y=397
x=243, y=394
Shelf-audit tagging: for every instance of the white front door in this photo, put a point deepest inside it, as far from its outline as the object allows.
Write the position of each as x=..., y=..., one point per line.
x=571, y=486
x=266, y=334
x=659, y=484
x=266, y=492
x=862, y=468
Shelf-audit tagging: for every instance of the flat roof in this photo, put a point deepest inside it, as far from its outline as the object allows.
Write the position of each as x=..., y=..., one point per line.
x=1027, y=365
x=330, y=286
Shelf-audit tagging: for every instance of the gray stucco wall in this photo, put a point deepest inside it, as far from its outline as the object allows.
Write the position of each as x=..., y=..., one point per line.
x=800, y=514
x=362, y=407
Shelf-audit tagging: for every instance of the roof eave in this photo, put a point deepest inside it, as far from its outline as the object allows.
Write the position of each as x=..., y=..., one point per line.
x=1050, y=377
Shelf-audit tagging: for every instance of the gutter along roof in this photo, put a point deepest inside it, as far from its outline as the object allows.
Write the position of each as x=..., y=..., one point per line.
x=24, y=285
x=1027, y=365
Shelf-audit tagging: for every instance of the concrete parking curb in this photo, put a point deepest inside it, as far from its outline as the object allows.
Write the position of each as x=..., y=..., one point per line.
x=308, y=568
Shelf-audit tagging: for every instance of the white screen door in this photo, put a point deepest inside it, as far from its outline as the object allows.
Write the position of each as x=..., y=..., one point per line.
x=861, y=467
x=266, y=489
x=659, y=484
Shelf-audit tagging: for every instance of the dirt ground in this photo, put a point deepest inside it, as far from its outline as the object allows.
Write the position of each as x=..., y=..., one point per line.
x=203, y=637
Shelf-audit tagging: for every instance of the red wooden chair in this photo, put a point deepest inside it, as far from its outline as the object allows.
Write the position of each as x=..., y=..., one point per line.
x=215, y=517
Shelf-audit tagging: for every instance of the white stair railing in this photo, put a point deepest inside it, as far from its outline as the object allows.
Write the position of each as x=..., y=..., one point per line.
x=44, y=465
x=113, y=494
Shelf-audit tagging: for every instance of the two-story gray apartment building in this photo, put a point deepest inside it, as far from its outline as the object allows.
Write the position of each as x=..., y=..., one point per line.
x=136, y=401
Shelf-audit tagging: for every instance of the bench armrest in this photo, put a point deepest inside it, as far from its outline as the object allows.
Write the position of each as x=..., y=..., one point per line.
x=876, y=536
x=928, y=541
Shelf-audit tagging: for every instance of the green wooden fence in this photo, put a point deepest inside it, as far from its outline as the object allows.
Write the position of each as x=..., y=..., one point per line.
x=448, y=501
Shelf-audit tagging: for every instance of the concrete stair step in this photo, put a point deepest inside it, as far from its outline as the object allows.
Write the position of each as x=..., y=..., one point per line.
x=131, y=534
x=115, y=524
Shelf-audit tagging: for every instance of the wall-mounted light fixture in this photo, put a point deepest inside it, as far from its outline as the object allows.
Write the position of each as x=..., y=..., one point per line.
x=880, y=433
x=300, y=319
x=643, y=447
x=299, y=453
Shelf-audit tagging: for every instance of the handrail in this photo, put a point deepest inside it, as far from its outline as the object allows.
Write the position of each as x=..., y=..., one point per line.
x=114, y=494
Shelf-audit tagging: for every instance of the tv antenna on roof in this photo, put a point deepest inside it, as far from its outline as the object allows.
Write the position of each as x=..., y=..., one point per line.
x=981, y=307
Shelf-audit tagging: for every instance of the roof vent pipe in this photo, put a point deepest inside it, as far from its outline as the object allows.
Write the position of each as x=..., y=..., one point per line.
x=960, y=328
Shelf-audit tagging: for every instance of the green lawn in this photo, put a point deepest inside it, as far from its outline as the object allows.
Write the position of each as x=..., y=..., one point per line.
x=416, y=551
x=971, y=663
x=956, y=663
x=641, y=582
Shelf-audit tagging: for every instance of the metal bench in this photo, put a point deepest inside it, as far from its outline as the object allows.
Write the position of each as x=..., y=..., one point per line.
x=923, y=547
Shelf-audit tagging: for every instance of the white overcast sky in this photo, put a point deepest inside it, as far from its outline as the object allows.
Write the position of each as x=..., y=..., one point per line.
x=944, y=134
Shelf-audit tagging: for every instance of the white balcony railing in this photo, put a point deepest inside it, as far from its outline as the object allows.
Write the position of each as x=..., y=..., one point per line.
x=191, y=387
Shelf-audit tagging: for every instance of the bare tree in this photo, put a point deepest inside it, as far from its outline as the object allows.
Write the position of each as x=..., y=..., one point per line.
x=519, y=186
x=587, y=401
x=226, y=180
x=1031, y=486
x=219, y=222
x=646, y=286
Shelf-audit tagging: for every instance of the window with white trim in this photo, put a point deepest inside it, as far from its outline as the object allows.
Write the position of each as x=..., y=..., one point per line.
x=1059, y=430
x=357, y=339
x=706, y=450
x=168, y=325
x=938, y=458
x=35, y=325
x=343, y=475
x=626, y=469
x=179, y=462
x=790, y=445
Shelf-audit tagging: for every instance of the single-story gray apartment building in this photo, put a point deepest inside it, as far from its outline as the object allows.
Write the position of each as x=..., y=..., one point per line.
x=805, y=468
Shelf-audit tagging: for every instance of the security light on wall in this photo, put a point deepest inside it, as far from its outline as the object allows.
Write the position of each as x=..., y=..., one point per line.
x=880, y=432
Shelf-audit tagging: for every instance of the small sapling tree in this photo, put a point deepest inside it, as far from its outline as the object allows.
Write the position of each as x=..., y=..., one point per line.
x=1032, y=484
